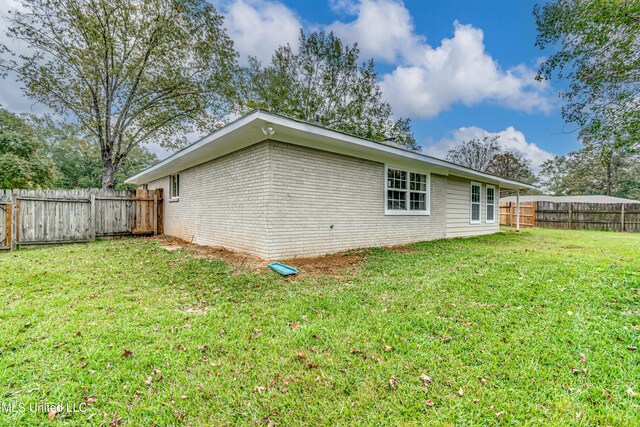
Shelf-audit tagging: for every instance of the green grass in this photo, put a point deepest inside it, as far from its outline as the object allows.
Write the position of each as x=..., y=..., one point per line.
x=515, y=310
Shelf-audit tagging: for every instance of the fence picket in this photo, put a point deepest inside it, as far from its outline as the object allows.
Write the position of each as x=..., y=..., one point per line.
x=575, y=216
x=34, y=217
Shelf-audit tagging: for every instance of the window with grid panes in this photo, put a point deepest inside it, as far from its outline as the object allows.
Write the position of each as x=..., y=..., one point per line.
x=406, y=192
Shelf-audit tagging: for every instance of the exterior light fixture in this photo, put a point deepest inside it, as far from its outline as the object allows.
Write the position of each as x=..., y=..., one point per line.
x=268, y=129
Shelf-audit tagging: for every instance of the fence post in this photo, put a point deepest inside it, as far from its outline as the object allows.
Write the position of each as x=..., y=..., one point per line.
x=518, y=211
x=92, y=230
x=622, y=217
x=571, y=216
x=14, y=219
x=160, y=215
x=8, y=228
x=155, y=212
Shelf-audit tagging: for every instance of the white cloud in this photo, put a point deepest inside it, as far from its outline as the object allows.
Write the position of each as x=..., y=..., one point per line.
x=383, y=29
x=511, y=139
x=426, y=81
x=345, y=7
x=429, y=80
x=258, y=28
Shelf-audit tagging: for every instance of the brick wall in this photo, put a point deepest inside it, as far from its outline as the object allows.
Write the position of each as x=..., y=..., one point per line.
x=324, y=202
x=278, y=200
x=222, y=202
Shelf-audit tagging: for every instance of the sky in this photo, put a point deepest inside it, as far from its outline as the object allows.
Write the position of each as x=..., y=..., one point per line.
x=460, y=69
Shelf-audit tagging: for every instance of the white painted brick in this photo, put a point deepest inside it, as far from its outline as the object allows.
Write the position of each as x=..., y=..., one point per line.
x=278, y=200
x=222, y=202
x=314, y=189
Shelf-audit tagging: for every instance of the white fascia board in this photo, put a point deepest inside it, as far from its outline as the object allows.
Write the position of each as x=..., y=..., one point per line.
x=306, y=134
x=394, y=152
x=159, y=170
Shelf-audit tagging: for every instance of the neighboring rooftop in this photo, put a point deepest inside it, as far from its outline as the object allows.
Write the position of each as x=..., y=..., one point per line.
x=574, y=199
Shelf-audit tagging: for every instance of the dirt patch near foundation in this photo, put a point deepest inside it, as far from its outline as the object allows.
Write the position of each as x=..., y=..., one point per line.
x=338, y=265
x=237, y=259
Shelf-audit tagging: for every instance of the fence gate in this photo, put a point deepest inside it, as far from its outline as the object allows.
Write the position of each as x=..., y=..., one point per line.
x=146, y=212
x=40, y=217
x=508, y=214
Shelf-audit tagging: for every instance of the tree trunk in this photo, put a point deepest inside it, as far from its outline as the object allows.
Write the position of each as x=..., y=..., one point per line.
x=108, y=175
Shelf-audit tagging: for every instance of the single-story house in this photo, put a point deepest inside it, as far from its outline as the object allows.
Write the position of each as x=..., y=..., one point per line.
x=281, y=188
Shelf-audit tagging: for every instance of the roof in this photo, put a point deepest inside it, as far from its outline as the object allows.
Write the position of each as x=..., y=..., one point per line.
x=574, y=199
x=256, y=126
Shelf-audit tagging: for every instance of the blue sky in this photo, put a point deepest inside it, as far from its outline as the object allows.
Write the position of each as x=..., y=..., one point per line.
x=509, y=32
x=458, y=68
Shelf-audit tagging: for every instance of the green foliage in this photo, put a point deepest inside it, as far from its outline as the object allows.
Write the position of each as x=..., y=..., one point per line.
x=475, y=153
x=484, y=331
x=323, y=82
x=23, y=162
x=597, y=52
x=596, y=43
x=127, y=71
x=77, y=157
x=488, y=155
x=584, y=172
x=512, y=166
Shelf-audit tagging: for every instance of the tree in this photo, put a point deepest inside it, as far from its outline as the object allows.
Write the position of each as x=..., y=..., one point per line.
x=323, y=82
x=23, y=163
x=552, y=173
x=512, y=166
x=487, y=155
x=77, y=158
x=475, y=153
x=598, y=52
x=583, y=172
x=127, y=71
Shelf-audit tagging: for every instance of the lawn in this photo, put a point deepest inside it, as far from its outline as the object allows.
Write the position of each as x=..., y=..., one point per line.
x=528, y=329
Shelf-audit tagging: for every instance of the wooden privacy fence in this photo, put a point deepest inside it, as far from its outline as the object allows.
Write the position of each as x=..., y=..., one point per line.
x=589, y=216
x=573, y=216
x=39, y=217
x=508, y=214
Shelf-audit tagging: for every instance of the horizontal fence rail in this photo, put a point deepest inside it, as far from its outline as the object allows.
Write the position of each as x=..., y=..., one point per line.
x=41, y=217
x=574, y=216
x=589, y=216
x=508, y=214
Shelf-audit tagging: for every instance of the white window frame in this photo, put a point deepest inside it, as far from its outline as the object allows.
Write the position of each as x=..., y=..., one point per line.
x=407, y=211
x=471, y=203
x=486, y=202
x=173, y=196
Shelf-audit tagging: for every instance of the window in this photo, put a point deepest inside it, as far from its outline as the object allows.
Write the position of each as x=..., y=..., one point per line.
x=491, y=204
x=475, y=202
x=175, y=186
x=406, y=193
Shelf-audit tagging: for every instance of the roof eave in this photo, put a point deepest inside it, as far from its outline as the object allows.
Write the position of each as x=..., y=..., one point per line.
x=156, y=171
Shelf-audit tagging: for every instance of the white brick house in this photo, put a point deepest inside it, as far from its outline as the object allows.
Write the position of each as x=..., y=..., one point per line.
x=281, y=188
